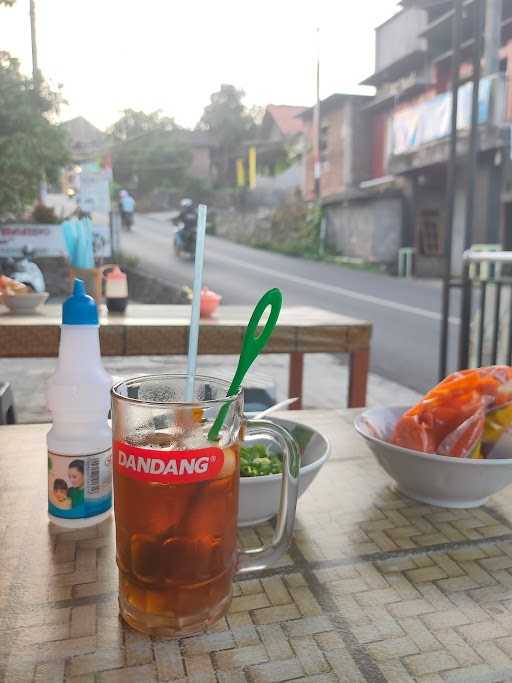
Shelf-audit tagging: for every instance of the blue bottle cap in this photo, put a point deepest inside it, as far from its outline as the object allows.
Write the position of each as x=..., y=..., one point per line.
x=79, y=309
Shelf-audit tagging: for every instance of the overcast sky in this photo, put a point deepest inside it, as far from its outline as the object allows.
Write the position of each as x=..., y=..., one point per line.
x=172, y=54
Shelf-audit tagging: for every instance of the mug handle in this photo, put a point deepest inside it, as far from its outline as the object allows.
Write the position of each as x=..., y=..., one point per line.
x=256, y=559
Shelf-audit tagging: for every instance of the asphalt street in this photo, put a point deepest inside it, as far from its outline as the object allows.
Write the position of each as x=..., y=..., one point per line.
x=405, y=313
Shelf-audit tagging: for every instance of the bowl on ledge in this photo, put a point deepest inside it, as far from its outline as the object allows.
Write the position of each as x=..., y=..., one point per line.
x=23, y=304
x=259, y=496
x=438, y=480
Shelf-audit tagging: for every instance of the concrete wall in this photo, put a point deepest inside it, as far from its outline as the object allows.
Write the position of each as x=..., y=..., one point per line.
x=370, y=229
x=398, y=37
x=244, y=226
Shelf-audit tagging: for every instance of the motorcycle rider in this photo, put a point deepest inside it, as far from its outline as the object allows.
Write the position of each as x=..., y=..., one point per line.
x=126, y=209
x=188, y=217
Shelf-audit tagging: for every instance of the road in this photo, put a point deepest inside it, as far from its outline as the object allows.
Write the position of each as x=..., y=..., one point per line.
x=405, y=313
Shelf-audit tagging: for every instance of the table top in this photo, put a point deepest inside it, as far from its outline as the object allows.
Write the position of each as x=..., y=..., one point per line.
x=375, y=588
x=148, y=329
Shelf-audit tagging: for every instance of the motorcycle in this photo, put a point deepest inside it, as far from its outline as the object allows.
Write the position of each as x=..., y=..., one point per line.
x=184, y=239
x=23, y=270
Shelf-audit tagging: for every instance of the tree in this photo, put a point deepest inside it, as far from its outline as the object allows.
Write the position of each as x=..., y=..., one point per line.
x=230, y=124
x=149, y=152
x=32, y=146
x=134, y=123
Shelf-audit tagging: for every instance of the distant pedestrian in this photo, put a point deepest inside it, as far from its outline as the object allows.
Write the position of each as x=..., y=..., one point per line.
x=127, y=209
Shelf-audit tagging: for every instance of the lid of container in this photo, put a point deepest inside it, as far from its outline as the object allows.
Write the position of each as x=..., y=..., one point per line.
x=79, y=309
x=116, y=274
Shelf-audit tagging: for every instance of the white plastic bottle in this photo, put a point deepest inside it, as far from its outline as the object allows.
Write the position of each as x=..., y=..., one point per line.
x=80, y=439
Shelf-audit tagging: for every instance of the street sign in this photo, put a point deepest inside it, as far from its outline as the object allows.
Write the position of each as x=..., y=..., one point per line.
x=48, y=240
x=94, y=192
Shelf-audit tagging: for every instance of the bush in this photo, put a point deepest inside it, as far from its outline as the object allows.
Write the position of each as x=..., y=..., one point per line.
x=295, y=228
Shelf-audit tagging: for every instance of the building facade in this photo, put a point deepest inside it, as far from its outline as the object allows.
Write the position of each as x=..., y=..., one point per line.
x=362, y=220
x=409, y=121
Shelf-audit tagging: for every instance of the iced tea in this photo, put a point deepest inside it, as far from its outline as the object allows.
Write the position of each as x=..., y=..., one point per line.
x=176, y=542
x=176, y=500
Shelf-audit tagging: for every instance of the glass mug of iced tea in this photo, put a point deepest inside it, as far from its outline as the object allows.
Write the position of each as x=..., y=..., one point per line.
x=176, y=501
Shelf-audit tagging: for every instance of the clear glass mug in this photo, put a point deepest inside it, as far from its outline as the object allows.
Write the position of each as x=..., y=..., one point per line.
x=176, y=501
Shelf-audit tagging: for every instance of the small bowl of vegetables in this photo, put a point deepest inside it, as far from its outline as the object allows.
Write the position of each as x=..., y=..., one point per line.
x=261, y=471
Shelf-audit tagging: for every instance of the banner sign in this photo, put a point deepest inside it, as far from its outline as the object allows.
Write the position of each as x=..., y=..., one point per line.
x=47, y=240
x=431, y=119
x=94, y=191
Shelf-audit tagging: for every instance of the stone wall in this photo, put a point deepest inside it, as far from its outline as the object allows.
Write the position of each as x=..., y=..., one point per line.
x=145, y=289
x=369, y=228
x=142, y=288
x=247, y=227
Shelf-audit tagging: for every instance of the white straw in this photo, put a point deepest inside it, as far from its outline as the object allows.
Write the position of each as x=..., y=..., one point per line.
x=193, y=336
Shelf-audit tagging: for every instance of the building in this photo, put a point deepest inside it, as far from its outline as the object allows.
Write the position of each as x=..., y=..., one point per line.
x=362, y=220
x=344, y=155
x=384, y=159
x=86, y=141
x=279, y=148
x=281, y=122
x=409, y=123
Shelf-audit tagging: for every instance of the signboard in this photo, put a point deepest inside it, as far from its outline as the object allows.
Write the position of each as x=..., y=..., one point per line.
x=431, y=119
x=94, y=192
x=48, y=240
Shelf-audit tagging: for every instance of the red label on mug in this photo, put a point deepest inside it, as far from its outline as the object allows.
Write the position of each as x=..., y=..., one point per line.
x=167, y=467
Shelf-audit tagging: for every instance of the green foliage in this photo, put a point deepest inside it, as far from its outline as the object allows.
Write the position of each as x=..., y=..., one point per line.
x=31, y=145
x=231, y=124
x=133, y=124
x=158, y=158
x=295, y=228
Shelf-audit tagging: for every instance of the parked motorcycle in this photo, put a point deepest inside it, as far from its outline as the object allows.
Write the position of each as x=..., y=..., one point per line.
x=24, y=270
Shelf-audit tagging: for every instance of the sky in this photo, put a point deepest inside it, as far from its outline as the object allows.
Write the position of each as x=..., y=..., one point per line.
x=109, y=55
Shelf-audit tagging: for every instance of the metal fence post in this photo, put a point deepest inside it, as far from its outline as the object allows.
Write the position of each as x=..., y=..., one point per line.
x=465, y=316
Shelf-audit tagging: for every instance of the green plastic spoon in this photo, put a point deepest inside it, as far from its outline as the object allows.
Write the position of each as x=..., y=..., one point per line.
x=252, y=345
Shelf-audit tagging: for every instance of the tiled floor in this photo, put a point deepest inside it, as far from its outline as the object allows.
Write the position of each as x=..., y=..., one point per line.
x=325, y=380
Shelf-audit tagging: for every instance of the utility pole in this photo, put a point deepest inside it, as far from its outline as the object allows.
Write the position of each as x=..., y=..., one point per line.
x=450, y=189
x=316, y=124
x=36, y=85
x=35, y=68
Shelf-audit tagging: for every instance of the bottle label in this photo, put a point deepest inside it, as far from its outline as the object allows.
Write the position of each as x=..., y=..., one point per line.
x=167, y=467
x=79, y=486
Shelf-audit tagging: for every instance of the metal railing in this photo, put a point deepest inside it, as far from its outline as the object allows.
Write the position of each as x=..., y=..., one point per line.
x=485, y=335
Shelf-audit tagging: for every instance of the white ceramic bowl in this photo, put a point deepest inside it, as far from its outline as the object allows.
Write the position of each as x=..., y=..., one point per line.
x=259, y=496
x=24, y=303
x=434, y=479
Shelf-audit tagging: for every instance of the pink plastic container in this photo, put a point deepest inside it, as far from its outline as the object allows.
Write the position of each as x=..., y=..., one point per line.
x=209, y=302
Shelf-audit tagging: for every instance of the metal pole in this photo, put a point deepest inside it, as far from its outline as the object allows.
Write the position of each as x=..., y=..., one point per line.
x=317, y=124
x=35, y=68
x=472, y=165
x=472, y=171
x=450, y=189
